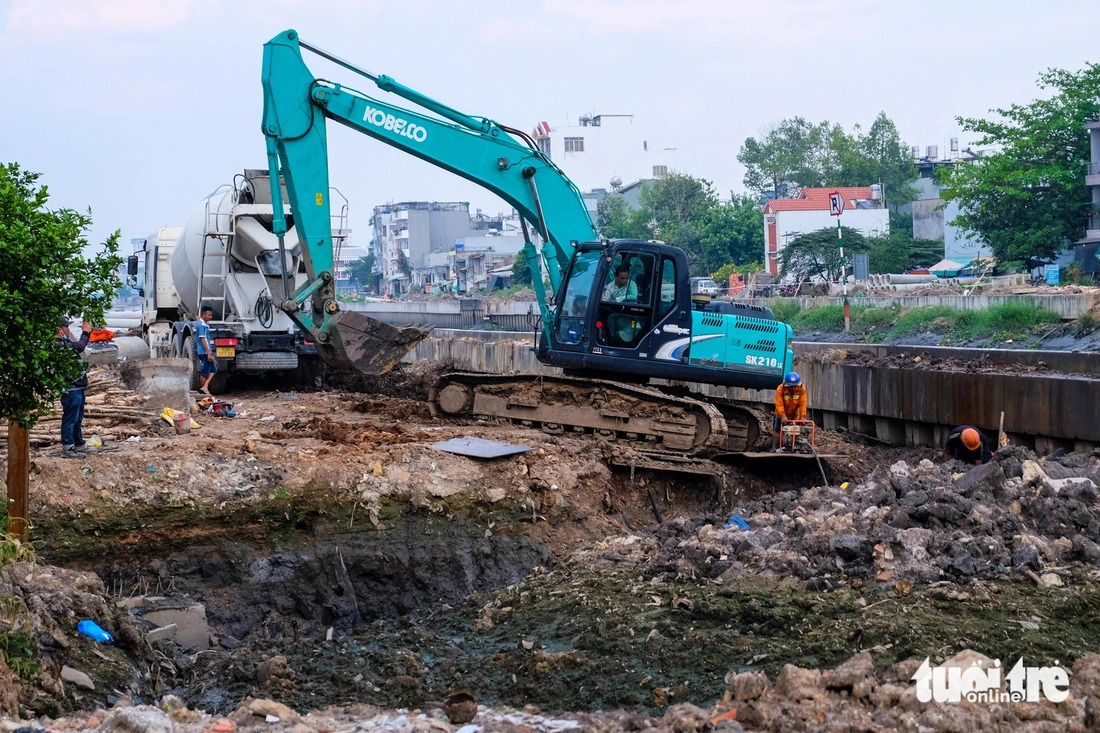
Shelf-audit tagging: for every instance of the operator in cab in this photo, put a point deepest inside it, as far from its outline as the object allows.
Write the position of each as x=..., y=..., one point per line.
x=967, y=444
x=622, y=289
x=790, y=403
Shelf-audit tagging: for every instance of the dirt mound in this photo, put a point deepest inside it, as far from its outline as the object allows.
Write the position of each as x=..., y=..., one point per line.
x=410, y=381
x=921, y=361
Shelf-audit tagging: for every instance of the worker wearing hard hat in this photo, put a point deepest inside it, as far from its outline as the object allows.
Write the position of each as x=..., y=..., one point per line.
x=966, y=443
x=790, y=402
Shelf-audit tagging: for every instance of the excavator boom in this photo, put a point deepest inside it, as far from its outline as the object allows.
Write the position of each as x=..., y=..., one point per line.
x=296, y=107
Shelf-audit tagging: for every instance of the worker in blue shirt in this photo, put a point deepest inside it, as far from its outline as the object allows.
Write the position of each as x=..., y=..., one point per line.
x=208, y=365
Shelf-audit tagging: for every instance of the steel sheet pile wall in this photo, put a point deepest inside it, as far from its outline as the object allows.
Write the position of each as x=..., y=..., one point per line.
x=915, y=407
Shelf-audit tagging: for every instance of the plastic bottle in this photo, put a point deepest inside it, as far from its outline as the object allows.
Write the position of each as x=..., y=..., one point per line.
x=93, y=631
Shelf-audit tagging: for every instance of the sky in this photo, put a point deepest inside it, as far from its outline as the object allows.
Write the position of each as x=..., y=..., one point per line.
x=137, y=109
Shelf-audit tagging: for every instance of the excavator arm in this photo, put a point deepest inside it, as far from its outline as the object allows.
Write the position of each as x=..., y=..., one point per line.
x=296, y=107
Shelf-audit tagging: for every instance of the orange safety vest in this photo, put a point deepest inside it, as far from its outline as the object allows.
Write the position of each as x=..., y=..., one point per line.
x=790, y=402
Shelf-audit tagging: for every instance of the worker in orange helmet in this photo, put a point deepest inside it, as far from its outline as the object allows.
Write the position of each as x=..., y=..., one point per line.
x=966, y=443
x=790, y=403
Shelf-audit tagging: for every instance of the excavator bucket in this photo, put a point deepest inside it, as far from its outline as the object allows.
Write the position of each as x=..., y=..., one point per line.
x=369, y=346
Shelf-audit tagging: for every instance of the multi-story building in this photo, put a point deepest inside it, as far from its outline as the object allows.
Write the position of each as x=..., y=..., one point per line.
x=788, y=219
x=404, y=233
x=604, y=151
x=1087, y=250
x=932, y=216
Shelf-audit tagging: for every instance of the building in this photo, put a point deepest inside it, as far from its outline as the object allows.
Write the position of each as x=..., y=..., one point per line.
x=604, y=151
x=404, y=233
x=1087, y=250
x=932, y=216
x=788, y=219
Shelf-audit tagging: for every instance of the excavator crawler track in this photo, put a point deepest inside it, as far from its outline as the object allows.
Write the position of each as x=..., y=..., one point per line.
x=644, y=417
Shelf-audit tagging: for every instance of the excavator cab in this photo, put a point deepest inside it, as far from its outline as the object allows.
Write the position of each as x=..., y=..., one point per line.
x=621, y=300
x=625, y=307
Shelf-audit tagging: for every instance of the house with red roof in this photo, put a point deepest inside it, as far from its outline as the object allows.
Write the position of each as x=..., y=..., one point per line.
x=787, y=219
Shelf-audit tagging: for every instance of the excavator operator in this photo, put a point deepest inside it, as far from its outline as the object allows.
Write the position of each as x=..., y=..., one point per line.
x=790, y=403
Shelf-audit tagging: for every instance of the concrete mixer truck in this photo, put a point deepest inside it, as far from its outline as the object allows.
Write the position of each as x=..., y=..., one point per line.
x=228, y=258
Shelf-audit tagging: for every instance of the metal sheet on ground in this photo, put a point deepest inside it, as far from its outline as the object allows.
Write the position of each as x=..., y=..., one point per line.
x=787, y=456
x=480, y=448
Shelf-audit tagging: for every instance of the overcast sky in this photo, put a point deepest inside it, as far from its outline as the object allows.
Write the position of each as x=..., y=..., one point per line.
x=139, y=108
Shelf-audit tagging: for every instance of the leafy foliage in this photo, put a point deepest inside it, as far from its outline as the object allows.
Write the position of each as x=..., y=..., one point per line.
x=1026, y=200
x=792, y=154
x=44, y=276
x=521, y=273
x=900, y=251
x=685, y=211
x=362, y=269
x=817, y=254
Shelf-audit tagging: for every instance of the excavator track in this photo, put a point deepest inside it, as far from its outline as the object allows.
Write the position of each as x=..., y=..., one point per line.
x=661, y=425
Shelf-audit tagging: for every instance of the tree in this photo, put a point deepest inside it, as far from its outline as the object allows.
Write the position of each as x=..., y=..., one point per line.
x=817, y=254
x=43, y=276
x=362, y=271
x=615, y=219
x=1026, y=199
x=521, y=273
x=731, y=233
x=788, y=152
x=794, y=153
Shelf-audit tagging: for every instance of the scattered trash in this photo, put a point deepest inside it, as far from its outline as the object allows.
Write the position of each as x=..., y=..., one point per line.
x=134, y=439
x=479, y=447
x=95, y=442
x=169, y=416
x=93, y=631
x=152, y=468
x=267, y=418
x=182, y=424
x=737, y=521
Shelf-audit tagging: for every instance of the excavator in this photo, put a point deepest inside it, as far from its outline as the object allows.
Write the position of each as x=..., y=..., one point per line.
x=615, y=315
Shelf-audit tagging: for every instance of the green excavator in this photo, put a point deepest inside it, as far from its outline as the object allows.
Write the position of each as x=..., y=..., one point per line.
x=617, y=316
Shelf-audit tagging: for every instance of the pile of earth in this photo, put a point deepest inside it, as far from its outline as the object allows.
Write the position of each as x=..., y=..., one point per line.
x=921, y=361
x=908, y=524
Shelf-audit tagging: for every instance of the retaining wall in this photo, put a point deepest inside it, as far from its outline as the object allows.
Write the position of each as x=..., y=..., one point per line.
x=913, y=407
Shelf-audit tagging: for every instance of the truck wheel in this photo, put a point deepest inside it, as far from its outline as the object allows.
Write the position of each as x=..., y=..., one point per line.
x=189, y=354
x=217, y=384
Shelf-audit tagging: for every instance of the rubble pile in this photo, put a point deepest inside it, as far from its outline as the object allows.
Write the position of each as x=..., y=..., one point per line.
x=920, y=524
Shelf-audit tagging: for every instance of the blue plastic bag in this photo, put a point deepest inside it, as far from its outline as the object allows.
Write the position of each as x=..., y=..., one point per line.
x=737, y=521
x=94, y=632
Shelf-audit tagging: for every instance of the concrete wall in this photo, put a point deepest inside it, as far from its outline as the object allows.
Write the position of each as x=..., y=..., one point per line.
x=898, y=406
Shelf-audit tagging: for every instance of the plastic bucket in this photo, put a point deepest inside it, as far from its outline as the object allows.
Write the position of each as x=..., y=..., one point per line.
x=183, y=424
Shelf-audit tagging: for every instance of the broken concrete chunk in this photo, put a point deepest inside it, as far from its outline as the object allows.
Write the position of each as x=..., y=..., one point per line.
x=77, y=677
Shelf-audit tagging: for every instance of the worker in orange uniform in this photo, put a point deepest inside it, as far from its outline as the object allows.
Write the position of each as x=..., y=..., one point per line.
x=966, y=443
x=790, y=403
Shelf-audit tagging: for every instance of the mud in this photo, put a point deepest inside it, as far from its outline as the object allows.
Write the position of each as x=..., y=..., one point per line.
x=339, y=560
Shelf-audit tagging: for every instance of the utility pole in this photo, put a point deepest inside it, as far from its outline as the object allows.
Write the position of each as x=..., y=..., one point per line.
x=19, y=478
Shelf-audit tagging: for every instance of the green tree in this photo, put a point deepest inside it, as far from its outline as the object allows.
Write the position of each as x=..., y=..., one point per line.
x=889, y=162
x=362, y=271
x=1026, y=200
x=790, y=152
x=44, y=276
x=615, y=219
x=795, y=153
x=521, y=273
x=731, y=233
x=817, y=254
x=899, y=251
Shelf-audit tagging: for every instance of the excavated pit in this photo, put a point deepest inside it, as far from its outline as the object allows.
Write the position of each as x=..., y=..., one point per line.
x=322, y=552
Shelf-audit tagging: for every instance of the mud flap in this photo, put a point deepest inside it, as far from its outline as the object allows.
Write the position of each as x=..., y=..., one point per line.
x=366, y=345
